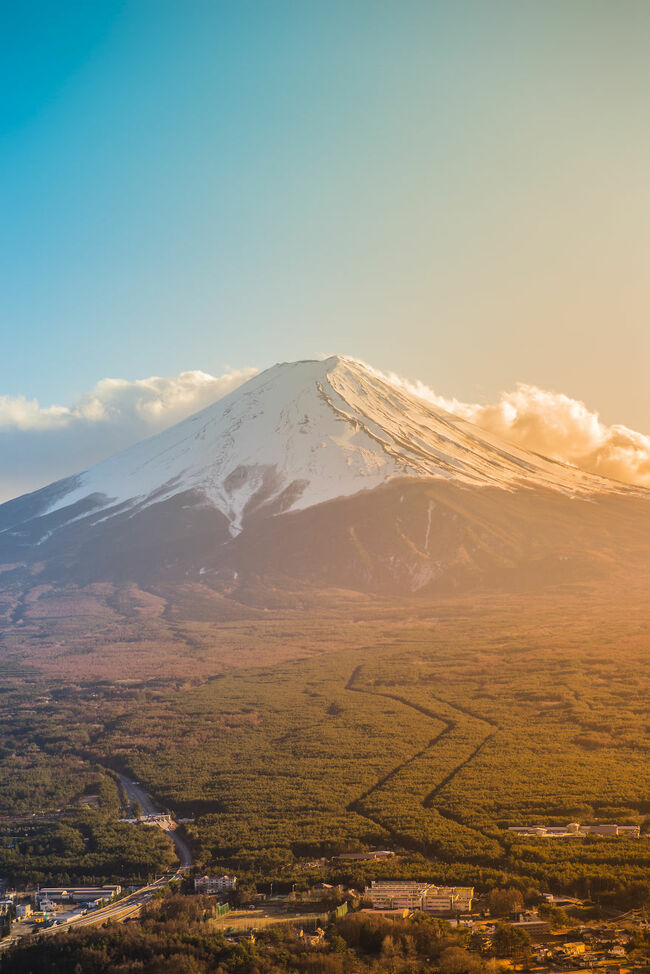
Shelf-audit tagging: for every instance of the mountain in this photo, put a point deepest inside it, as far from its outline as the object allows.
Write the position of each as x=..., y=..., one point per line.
x=325, y=472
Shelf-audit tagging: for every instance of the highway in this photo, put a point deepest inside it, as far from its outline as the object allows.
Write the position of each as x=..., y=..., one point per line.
x=124, y=909
x=136, y=793
x=131, y=905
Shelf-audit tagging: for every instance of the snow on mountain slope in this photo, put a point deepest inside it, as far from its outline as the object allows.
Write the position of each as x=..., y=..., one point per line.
x=306, y=432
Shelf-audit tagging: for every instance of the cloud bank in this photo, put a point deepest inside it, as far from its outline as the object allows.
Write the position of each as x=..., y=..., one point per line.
x=565, y=429
x=40, y=444
x=554, y=425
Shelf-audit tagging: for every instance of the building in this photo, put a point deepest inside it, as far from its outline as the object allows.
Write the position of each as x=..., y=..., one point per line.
x=161, y=819
x=448, y=899
x=215, y=884
x=573, y=948
x=396, y=895
x=561, y=900
x=427, y=897
x=77, y=894
x=45, y=904
x=363, y=856
x=574, y=830
x=629, y=831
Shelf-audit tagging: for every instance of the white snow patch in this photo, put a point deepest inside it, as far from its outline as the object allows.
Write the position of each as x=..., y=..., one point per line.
x=428, y=531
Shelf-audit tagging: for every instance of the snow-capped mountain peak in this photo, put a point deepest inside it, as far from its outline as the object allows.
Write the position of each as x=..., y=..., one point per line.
x=306, y=432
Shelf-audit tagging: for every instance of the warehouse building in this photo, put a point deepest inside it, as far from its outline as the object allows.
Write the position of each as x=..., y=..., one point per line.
x=77, y=894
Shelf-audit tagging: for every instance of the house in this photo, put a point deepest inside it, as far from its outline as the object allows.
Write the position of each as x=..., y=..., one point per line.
x=44, y=903
x=573, y=948
x=616, y=951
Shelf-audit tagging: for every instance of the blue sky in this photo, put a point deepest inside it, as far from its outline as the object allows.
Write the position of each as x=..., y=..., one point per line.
x=454, y=190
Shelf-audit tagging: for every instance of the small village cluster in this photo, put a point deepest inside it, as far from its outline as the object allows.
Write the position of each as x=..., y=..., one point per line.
x=600, y=945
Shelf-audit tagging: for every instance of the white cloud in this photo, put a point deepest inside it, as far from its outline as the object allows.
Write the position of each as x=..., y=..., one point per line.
x=39, y=444
x=554, y=425
x=564, y=428
x=156, y=401
x=19, y=413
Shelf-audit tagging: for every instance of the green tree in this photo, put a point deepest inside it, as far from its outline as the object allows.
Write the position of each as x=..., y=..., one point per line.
x=511, y=942
x=503, y=902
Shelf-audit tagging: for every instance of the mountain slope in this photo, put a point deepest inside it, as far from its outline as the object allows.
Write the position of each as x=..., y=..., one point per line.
x=410, y=493
x=302, y=433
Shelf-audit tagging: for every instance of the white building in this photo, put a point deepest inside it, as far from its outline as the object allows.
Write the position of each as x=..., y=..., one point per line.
x=426, y=897
x=576, y=831
x=215, y=884
x=448, y=899
x=44, y=903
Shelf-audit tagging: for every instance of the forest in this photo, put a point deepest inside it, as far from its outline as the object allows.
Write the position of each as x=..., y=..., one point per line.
x=430, y=734
x=178, y=935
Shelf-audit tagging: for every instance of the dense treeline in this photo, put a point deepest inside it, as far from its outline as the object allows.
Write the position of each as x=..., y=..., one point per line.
x=431, y=740
x=85, y=847
x=178, y=936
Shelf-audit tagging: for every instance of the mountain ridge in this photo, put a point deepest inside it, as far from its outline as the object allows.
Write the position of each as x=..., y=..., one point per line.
x=328, y=473
x=359, y=429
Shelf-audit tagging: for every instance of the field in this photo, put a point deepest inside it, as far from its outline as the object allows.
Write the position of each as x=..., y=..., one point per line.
x=353, y=724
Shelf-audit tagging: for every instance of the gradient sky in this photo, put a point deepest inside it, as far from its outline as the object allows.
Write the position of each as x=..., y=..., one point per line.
x=457, y=191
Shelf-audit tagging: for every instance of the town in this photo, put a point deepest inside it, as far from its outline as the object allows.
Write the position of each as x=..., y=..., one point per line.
x=354, y=889
x=528, y=929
